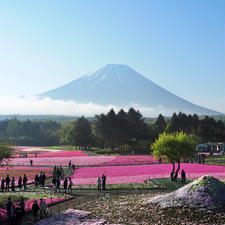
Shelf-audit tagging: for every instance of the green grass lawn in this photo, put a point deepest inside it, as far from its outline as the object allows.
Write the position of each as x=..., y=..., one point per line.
x=161, y=183
x=65, y=148
x=216, y=160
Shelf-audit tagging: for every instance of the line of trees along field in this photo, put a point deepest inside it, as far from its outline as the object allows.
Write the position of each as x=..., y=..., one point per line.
x=123, y=130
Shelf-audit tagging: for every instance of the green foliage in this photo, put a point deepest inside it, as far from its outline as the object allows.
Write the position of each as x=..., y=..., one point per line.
x=29, y=132
x=119, y=130
x=5, y=152
x=174, y=147
x=80, y=133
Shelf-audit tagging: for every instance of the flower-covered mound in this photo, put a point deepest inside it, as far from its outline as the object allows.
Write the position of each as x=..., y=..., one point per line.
x=73, y=217
x=206, y=193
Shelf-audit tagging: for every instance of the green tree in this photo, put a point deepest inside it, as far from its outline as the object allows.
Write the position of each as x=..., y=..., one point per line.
x=5, y=153
x=174, y=147
x=80, y=133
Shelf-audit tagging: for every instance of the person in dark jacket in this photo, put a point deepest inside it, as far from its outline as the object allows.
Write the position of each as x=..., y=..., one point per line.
x=65, y=184
x=36, y=180
x=8, y=206
x=103, y=181
x=7, y=182
x=12, y=215
x=35, y=208
x=25, y=182
x=43, y=179
x=20, y=183
x=13, y=183
x=183, y=176
x=3, y=184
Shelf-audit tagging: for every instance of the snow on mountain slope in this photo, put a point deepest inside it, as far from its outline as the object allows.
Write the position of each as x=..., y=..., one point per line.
x=122, y=86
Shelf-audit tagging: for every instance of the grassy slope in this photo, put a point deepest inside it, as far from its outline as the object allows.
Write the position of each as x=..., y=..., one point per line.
x=216, y=160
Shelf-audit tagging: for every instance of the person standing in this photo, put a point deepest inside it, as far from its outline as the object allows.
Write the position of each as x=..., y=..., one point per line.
x=43, y=208
x=69, y=163
x=183, y=176
x=25, y=182
x=8, y=206
x=31, y=162
x=12, y=215
x=20, y=183
x=70, y=185
x=103, y=181
x=99, y=184
x=43, y=179
x=3, y=184
x=35, y=208
x=65, y=184
x=36, y=180
x=7, y=182
x=57, y=186
x=13, y=184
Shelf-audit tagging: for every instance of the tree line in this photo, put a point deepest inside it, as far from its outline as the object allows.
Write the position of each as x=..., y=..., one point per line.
x=125, y=131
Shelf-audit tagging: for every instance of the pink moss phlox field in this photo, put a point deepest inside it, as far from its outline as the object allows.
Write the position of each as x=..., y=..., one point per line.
x=86, y=160
x=29, y=171
x=62, y=154
x=132, y=159
x=138, y=174
x=29, y=203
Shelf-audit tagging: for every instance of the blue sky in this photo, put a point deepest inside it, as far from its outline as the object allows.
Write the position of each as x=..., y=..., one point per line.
x=179, y=44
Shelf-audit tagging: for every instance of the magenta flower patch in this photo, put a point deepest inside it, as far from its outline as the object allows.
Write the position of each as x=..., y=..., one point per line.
x=138, y=174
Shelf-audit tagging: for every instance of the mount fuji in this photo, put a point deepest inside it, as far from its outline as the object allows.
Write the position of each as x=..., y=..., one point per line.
x=122, y=86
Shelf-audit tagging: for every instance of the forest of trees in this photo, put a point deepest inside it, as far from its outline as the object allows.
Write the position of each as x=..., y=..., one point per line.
x=121, y=130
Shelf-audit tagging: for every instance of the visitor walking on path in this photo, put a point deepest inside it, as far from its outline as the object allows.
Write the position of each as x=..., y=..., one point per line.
x=99, y=184
x=36, y=180
x=70, y=185
x=65, y=184
x=35, y=208
x=12, y=215
x=20, y=212
x=3, y=184
x=183, y=176
x=13, y=184
x=20, y=183
x=43, y=208
x=57, y=186
x=31, y=162
x=43, y=179
x=7, y=182
x=103, y=181
x=8, y=206
x=25, y=182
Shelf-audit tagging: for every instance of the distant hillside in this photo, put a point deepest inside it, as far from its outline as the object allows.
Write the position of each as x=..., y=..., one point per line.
x=121, y=86
x=38, y=117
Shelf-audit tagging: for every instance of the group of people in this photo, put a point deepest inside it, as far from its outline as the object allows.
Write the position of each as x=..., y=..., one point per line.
x=40, y=180
x=101, y=183
x=67, y=184
x=16, y=214
x=8, y=183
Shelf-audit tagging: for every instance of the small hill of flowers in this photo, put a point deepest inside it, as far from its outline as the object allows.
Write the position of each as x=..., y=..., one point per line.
x=206, y=193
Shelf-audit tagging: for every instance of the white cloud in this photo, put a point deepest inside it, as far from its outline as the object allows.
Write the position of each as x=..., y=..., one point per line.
x=34, y=105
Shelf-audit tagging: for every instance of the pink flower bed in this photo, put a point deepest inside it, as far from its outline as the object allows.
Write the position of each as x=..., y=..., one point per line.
x=20, y=171
x=138, y=174
x=86, y=160
x=62, y=154
x=28, y=205
x=132, y=159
